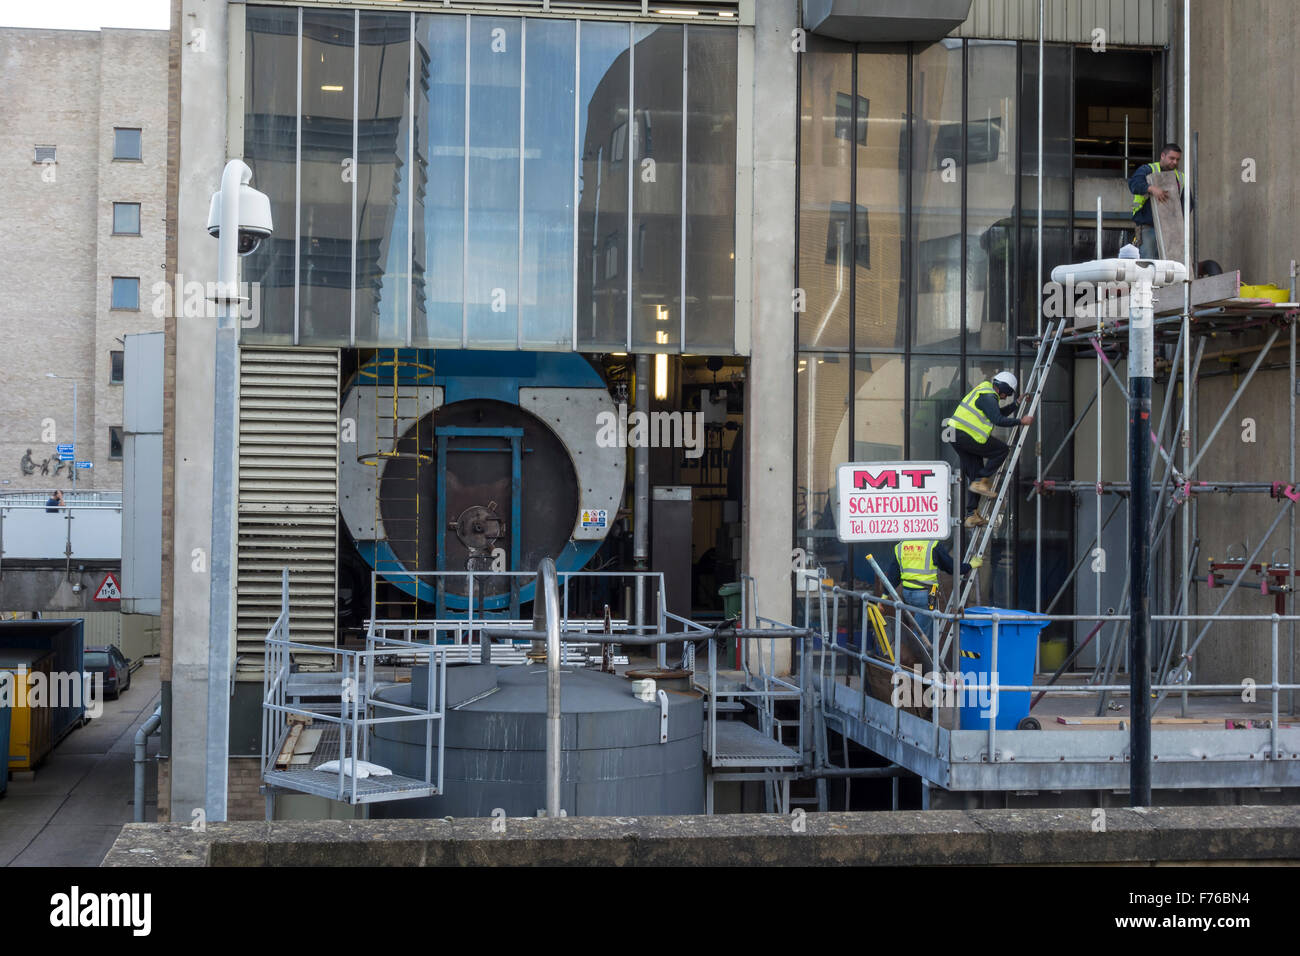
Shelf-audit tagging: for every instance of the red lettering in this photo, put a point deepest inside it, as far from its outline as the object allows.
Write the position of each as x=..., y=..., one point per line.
x=918, y=476
x=886, y=479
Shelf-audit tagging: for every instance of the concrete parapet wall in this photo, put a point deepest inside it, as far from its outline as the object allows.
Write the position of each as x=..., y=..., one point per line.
x=1178, y=835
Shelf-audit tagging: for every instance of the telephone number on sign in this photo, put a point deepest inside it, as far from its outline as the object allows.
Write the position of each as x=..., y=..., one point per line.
x=894, y=526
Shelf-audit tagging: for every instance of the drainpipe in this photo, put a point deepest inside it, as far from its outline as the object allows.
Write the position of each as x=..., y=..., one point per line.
x=549, y=587
x=147, y=730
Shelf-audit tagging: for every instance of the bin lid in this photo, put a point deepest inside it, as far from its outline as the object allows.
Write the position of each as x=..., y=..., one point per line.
x=1004, y=612
x=729, y=589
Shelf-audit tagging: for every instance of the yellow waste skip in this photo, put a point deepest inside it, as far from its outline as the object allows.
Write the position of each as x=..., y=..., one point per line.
x=29, y=725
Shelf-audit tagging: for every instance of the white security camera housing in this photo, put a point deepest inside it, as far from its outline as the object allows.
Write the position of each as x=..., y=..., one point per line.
x=254, y=218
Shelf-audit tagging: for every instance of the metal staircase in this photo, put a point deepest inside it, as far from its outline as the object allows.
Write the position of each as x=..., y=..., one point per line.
x=991, y=508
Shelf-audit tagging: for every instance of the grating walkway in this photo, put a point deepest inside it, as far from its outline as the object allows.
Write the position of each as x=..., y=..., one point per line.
x=740, y=745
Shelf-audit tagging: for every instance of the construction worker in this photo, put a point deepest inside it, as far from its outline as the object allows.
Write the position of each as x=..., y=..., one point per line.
x=972, y=426
x=919, y=564
x=1144, y=222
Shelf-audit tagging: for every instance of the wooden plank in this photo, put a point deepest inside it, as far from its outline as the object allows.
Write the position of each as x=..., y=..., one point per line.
x=297, y=725
x=1168, y=216
x=303, y=751
x=1211, y=290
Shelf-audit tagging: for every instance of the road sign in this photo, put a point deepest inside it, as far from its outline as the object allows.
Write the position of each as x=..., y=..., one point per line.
x=66, y=453
x=85, y=464
x=893, y=500
x=109, y=589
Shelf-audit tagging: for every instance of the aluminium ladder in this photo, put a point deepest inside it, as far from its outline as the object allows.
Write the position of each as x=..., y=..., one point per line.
x=990, y=508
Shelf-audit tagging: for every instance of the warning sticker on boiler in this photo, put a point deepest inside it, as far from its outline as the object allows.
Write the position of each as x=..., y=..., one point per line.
x=595, y=519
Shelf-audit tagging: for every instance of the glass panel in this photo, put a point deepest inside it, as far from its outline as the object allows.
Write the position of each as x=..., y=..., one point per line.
x=126, y=293
x=602, y=204
x=115, y=366
x=270, y=149
x=325, y=255
x=935, y=390
x=879, y=424
x=126, y=144
x=657, y=189
x=439, y=241
x=822, y=426
x=546, y=296
x=880, y=246
x=936, y=196
x=126, y=218
x=492, y=258
x=1056, y=173
x=710, y=189
x=824, y=186
x=383, y=179
x=990, y=194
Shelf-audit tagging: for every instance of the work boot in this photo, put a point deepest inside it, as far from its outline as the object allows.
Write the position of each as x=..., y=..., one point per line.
x=975, y=520
x=983, y=486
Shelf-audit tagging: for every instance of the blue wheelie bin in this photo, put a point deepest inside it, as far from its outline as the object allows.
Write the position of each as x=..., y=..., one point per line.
x=1017, y=644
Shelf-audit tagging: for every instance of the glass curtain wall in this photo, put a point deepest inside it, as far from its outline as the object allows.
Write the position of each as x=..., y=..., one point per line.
x=493, y=182
x=914, y=163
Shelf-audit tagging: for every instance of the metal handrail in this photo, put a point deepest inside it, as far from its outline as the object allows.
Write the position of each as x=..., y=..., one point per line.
x=938, y=679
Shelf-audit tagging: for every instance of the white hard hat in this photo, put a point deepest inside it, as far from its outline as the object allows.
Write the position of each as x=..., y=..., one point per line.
x=1007, y=379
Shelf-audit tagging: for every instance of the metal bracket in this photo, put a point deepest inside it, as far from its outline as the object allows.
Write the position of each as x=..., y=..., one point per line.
x=663, y=717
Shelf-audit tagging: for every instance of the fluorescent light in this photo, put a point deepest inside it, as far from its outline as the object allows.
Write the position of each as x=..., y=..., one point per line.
x=678, y=13
x=661, y=337
x=618, y=353
x=726, y=13
x=661, y=313
x=661, y=375
x=331, y=89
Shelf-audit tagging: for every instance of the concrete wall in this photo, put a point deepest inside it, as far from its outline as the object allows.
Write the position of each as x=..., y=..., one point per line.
x=1244, y=93
x=768, y=507
x=202, y=75
x=69, y=89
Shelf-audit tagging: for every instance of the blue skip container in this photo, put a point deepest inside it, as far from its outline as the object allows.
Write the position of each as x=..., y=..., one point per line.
x=1017, y=647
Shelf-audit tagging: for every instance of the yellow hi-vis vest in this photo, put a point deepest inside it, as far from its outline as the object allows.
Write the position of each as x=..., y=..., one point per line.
x=916, y=562
x=970, y=419
x=1140, y=201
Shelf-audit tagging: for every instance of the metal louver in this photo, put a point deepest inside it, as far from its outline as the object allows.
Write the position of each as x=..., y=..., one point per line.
x=288, y=498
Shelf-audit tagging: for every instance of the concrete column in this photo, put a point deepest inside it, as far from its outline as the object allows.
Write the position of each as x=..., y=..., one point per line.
x=769, y=413
x=203, y=66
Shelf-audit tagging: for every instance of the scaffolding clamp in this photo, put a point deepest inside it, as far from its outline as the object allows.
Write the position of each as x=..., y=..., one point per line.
x=1281, y=489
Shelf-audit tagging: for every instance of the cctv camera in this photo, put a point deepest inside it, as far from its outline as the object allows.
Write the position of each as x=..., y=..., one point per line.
x=254, y=218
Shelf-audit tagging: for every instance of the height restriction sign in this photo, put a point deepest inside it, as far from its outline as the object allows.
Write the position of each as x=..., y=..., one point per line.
x=892, y=500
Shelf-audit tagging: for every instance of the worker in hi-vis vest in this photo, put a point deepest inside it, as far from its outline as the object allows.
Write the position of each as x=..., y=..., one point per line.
x=1144, y=222
x=919, y=564
x=980, y=453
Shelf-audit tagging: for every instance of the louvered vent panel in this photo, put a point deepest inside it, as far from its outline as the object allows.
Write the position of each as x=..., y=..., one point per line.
x=288, y=499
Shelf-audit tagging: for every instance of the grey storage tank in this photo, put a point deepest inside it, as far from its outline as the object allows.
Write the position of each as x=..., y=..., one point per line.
x=495, y=746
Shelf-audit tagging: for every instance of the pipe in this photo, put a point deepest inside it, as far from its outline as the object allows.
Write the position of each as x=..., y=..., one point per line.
x=641, y=492
x=1141, y=368
x=548, y=585
x=147, y=729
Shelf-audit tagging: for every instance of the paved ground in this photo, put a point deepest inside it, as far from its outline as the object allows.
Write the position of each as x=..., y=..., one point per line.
x=70, y=812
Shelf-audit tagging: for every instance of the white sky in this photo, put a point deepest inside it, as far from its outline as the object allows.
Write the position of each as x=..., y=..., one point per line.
x=86, y=14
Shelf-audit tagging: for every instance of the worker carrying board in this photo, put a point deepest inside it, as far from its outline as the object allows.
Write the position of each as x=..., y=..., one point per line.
x=1144, y=223
x=970, y=429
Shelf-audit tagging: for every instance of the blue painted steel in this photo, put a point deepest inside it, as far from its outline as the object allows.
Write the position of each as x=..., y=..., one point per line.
x=465, y=375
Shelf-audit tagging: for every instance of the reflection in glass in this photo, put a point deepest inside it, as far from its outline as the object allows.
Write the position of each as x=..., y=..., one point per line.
x=824, y=187
x=383, y=181
x=325, y=253
x=492, y=257
x=602, y=205
x=710, y=189
x=822, y=387
x=936, y=196
x=546, y=271
x=882, y=159
x=271, y=152
x=439, y=220
x=1057, y=147
x=657, y=188
x=991, y=194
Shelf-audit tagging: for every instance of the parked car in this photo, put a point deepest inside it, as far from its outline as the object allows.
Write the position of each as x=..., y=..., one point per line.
x=110, y=662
